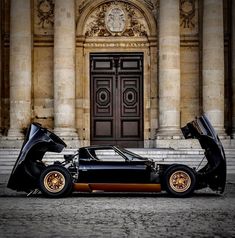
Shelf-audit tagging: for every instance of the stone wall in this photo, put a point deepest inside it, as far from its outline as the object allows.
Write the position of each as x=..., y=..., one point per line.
x=140, y=35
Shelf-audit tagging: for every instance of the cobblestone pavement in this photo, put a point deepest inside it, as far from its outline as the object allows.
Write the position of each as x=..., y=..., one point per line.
x=206, y=214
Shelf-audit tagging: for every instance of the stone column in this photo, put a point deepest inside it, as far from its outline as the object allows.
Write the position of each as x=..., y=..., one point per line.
x=213, y=63
x=1, y=23
x=169, y=69
x=64, y=68
x=20, y=67
x=233, y=67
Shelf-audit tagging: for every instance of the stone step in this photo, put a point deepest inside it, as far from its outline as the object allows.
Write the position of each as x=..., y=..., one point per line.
x=145, y=152
x=191, y=158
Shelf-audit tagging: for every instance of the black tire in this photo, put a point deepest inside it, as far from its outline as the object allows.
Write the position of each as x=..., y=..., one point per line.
x=55, y=181
x=179, y=181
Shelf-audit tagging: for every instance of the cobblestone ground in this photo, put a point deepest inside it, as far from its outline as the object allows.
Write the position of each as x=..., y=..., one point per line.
x=206, y=214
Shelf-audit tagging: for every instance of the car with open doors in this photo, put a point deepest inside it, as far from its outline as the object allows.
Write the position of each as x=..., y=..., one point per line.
x=114, y=169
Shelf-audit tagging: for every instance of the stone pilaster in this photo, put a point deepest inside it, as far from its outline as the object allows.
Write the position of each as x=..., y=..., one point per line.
x=20, y=67
x=213, y=63
x=233, y=67
x=64, y=68
x=169, y=69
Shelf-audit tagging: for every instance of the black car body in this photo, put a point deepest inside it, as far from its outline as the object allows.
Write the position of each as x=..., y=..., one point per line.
x=110, y=168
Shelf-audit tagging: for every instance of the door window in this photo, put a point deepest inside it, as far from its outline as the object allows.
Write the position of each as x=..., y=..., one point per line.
x=106, y=155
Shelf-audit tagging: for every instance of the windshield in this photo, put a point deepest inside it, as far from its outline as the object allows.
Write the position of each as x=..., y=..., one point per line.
x=129, y=155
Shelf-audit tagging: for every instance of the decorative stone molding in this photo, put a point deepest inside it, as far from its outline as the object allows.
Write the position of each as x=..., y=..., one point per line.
x=187, y=13
x=83, y=4
x=116, y=19
x=116, y=44
x=153, y=6
x=44, y=13
x=150, y=4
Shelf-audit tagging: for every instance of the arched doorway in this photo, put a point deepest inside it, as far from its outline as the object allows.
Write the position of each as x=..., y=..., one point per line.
x=116, y=74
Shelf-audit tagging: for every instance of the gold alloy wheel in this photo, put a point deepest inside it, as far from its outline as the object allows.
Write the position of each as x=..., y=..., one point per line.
x=180, y=181
x=54, y=181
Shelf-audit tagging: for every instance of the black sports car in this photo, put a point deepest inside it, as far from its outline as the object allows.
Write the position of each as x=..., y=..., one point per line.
x=111, y=168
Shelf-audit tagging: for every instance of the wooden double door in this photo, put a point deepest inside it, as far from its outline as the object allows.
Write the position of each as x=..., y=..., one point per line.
x=117, y=99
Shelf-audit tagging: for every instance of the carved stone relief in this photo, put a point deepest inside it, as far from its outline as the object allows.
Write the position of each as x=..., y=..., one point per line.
x=116, y=19
x=187, y=13
x=151, y=4
x=44, y=17
x=189, y=17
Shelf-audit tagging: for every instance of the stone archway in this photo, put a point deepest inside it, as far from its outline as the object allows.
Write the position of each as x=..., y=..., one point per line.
x=133, y=30
x=90, y=7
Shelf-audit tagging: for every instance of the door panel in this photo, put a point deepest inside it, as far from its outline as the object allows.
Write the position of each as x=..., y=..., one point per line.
x=117, y=99
x=103, y=116
x=113, y=172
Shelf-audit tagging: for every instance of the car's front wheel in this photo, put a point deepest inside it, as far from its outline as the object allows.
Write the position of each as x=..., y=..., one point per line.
x=55, y=181
x=179, y=181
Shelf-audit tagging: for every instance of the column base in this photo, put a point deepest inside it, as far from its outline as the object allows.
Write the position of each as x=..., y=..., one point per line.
x=233, y=134
x=69, y=136
x=169, y=133
x=15, y=134
x=66, y=133
x=221, y=132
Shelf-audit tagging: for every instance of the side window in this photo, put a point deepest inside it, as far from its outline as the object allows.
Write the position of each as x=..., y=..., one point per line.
x=106, y=155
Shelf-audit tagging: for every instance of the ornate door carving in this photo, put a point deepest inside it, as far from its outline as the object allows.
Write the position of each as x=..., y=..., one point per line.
x=117, y=99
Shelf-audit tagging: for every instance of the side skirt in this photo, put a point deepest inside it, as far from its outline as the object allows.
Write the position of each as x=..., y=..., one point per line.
x=116, y=187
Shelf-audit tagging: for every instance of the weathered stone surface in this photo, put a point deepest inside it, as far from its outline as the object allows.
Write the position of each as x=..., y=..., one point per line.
x=43, y=86
x=189, y=58
x=213, y=63
x=64, y=69
x=173, y=87
x=169, y=68
x=20, y=67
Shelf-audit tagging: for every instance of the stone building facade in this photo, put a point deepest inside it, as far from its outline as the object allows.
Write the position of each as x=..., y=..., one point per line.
x=128, y=72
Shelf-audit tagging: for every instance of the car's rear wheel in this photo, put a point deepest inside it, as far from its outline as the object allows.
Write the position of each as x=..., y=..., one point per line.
x=179, y=181
x=55, y=181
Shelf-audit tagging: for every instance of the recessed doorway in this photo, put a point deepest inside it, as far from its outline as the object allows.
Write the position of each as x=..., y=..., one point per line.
x=116, y=99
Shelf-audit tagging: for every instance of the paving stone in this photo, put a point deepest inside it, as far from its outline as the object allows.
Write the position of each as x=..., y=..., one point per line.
x=206, y=214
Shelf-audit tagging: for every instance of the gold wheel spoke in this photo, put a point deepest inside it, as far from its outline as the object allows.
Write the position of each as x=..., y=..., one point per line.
x=54, y=181
x=180, y=181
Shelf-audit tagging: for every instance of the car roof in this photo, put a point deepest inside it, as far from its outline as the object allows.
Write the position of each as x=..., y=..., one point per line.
x=98, y=147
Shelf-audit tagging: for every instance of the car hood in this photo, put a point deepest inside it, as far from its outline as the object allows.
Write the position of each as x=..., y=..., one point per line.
x=28, y=165
x=214, y=173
